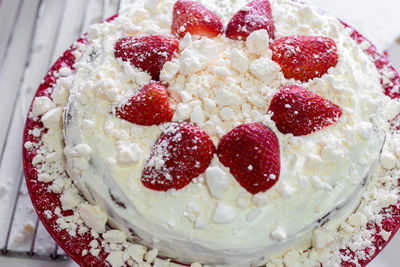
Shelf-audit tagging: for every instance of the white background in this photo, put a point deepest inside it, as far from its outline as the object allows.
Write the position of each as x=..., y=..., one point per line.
x=378, y=20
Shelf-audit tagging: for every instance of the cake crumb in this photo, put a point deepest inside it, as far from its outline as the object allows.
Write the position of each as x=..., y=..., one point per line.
x=151, y=255
x=137, y=252
x=115, y=258
x=322, y=238
x=94, y=217
x=29, y=227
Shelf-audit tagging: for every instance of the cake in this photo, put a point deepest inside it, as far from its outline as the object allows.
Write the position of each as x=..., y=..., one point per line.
x=221, y=133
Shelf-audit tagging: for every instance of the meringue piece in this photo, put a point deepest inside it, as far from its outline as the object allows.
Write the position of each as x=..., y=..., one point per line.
x=93, y=216
x=41, y=105
x=223, y=214
x=217, y=181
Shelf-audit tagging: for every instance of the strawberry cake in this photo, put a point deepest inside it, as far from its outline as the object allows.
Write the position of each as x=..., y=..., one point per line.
x=225, y=133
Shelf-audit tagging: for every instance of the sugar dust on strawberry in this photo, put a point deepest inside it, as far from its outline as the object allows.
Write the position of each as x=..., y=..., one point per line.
x=148, y=52
x=181, y=153
x=251, y=152
x=192, y=17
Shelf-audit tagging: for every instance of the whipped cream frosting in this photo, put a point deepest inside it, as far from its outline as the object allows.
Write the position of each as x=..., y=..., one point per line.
x=219, y=84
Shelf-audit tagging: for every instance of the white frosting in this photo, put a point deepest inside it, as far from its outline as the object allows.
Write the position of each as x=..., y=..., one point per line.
x=222, y=83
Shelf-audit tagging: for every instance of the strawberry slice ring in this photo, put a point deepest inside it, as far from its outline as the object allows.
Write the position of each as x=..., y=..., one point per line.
x=48, y=205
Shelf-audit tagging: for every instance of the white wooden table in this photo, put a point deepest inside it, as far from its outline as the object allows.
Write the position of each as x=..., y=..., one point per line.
x=35, y=32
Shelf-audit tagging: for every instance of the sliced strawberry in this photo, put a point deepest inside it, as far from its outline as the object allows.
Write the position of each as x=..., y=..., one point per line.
x=299, y=111
x=149, y=106
x=257, y=15
x=148, y=53
x=251, y=152
x=304, y=57
x=192, y=17
x=181, y=153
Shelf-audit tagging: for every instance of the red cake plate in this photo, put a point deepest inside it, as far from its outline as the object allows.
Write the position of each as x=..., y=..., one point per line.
x=44, y=200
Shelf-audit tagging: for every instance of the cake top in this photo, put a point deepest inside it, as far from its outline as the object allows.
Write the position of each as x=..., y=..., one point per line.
x=238, y=140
